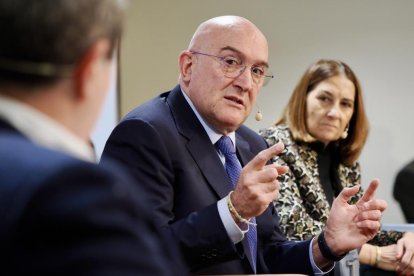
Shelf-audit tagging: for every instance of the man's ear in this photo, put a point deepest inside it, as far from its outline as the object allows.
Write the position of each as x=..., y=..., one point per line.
x=185, y=62
x=89, y=67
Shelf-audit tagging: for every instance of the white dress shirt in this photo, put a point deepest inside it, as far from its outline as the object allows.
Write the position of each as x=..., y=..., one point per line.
x=43, y=130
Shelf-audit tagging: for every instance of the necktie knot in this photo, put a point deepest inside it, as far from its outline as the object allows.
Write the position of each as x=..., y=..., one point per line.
x=231, y=163
x=225, y=145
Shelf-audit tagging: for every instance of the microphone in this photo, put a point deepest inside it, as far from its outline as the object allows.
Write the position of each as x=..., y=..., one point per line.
x=258, y=115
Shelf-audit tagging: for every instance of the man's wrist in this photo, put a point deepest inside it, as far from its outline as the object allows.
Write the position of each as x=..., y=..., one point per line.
x=235, y=215
x=326, y=250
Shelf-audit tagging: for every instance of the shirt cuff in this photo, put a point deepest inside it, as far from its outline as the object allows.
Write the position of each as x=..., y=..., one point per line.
x=233, y=230
x=315, y=268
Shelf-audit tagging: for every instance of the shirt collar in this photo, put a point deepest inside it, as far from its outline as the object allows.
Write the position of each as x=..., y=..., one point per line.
x=43, y=130
x=212, y=134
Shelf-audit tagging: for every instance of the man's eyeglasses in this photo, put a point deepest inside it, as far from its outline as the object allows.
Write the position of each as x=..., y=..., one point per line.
x=233, y=68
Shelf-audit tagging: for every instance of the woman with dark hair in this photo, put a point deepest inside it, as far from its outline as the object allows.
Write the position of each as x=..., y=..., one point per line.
x=324, y=128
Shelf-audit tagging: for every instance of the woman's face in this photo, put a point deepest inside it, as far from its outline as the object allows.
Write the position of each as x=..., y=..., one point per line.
x=329, y=108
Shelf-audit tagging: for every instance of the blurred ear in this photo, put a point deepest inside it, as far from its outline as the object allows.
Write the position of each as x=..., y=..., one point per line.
x=185, y=65
x=90, y=67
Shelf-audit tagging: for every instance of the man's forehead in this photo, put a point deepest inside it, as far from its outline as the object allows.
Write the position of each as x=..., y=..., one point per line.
x=227, y=28
x=235, y=34
x=223, y=22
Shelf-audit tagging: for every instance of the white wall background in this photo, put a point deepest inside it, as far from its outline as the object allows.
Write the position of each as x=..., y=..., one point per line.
x=375, y=37
x=108, y=118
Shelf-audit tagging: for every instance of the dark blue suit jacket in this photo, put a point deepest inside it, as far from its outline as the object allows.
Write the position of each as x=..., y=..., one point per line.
x=171, y=156
x=63, y=216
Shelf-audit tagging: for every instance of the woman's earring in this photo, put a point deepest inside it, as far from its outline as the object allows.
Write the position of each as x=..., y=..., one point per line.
x=345, y=133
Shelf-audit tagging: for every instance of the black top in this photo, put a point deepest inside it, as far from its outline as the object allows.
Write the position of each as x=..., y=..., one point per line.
x=328, y=163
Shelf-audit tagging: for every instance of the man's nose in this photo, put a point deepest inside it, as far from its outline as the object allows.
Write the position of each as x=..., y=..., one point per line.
x=245, y=78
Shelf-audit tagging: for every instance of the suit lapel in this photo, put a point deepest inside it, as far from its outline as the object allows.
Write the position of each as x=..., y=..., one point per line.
x=203, y=151
x=243, y=150
x=199, y=146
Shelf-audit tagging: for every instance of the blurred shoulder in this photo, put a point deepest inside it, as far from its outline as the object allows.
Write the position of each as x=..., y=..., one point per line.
x=277, y=133
x=250, y=136
x=27, y=168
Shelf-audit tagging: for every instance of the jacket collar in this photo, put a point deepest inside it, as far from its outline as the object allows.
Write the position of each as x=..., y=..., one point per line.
x=200, y=146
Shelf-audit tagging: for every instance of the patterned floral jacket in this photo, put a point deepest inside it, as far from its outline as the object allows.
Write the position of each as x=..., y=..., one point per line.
x=302, y=205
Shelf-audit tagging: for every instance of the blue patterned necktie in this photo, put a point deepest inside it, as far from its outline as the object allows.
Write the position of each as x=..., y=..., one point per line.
x=233, y=169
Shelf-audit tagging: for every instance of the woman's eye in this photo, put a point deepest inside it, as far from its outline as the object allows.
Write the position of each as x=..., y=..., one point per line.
x=323, y=98
x=347, y=104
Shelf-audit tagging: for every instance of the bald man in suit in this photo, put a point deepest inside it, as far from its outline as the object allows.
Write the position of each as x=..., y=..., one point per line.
x=222, y=216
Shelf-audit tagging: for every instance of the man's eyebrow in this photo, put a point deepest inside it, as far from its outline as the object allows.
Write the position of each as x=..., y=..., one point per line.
x=230, y=48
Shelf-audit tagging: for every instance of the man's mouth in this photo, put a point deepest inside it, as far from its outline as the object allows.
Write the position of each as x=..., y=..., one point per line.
x=234, y=99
